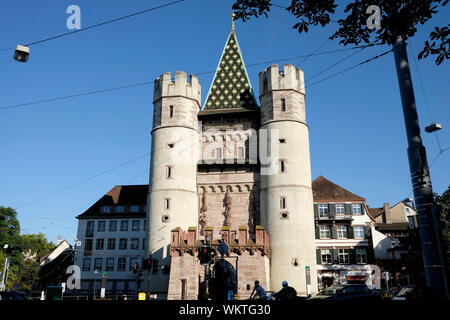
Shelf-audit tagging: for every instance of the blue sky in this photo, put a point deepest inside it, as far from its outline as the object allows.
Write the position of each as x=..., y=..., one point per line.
x=357, y=134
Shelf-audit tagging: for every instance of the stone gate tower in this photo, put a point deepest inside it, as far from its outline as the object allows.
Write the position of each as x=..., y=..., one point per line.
x=286, y=194
x=172, y=199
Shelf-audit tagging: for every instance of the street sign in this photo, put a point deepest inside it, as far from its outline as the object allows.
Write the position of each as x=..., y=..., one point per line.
x=141, y=296
x=222, y=248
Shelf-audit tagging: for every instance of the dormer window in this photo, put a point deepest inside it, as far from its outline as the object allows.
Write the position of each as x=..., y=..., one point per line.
x=119, y=209
x=134, y=208
x=105, y=209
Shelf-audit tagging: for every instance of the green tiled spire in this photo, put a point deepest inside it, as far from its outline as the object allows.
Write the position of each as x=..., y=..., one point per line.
x=231, y=87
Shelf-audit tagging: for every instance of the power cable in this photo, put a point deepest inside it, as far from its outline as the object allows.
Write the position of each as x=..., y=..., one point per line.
x=152, y=82
x=99, y=24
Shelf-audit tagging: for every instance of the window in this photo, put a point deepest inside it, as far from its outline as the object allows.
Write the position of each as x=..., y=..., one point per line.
x=166, y=203
x=282, y=140
x=143, y=243
x=111, y=244
x=122, y=244
x=283, y=105
x=218, y=153
x=343, y=255
x=326, y=256
x=171, y=112
x=282, y=164
x=407, y=210
x=241, y=152
x=101, y=226
x=340, y=208
x=110, y=264
x=136, y=225
x=98, y=264
x=356, y=208
x=105, y=209
x=361, y=255
x=169, y=172
x=323, y=210
x=134, y=245
x=283, y=203
x=119, y=209
x=90, y=228
x=325, y=232
x=134, y=208
x=133, y=262
x=113, y=225
x=342, y=232
x=86, y=264
x=358, y=232
x=124, y=225
x=265, y=85
x=99, y=244
x=88, y=245
x=121, y=262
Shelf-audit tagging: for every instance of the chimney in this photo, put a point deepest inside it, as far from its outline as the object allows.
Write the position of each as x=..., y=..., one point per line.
x=387, y=212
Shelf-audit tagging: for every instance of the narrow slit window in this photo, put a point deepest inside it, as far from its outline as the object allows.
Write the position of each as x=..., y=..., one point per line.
x=282, y=166
x=166, y=204
x=283, y=105
x=283, y=203
x=171, y=111
x=169, y=172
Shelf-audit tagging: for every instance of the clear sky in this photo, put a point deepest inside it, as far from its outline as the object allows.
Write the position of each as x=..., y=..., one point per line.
x=357, y=134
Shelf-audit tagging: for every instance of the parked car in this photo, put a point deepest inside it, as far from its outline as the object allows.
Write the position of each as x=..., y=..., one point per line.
x=13, y=295
x=406, y=293
x=347, y=292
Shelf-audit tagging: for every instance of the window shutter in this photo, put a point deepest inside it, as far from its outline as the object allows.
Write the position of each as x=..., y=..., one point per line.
x=362, y=208
x=316, y=211
x=348, y=208
x=333, y=232
x=334, y=256
x=350, y=232
x=332, y=210
x=366, y=232
x=352, y=256
x=318, y=256
x=317, y=232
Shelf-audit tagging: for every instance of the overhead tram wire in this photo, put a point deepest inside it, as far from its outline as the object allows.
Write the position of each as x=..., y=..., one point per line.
x=99, y=24
x=189, y=146
x=87, y=93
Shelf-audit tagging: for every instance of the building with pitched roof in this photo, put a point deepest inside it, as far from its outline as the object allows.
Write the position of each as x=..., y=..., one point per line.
x=343, y=228
x=111, y=241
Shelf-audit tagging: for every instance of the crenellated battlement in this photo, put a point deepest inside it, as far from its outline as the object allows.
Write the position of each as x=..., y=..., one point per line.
x=186, y=241
x=272, y=78
x=164, y=86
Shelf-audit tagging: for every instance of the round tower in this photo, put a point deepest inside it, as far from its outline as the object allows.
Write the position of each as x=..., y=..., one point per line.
x=172, y=200
x=286, y=195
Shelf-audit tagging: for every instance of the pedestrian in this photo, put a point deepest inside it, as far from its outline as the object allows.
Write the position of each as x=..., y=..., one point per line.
x=258, y=291
x=286, y=293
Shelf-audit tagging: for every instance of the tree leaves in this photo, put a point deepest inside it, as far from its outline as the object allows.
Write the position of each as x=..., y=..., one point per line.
x=398, y=18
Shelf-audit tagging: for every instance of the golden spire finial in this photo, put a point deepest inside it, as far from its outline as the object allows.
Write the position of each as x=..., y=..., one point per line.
x=232, y=20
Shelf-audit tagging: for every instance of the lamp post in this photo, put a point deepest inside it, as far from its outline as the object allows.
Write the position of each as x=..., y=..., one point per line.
x=95, y=281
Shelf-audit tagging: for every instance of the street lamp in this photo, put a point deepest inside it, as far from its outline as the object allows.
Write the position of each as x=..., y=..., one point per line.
x=95, y=281
x=22, y=53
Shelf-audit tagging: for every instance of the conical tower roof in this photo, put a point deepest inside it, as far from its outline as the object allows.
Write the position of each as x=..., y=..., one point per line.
x=231, y=87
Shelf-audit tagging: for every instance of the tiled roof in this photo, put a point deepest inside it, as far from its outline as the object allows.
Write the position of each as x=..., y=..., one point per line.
x=325, y=190
x=392, y=226
x=231, y=87
x=119, y=195
x=375, y=212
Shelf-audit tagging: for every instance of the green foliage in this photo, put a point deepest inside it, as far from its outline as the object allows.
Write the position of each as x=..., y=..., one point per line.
x=398, y=18
x=23, y=251
x=443, y=204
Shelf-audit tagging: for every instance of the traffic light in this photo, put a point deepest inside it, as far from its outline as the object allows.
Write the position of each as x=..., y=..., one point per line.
x=135, y=269
x=205, y=254
x=147, y=264
x=155, y=264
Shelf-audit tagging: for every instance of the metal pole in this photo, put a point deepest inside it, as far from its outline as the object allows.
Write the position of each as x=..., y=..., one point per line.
x=420, y=178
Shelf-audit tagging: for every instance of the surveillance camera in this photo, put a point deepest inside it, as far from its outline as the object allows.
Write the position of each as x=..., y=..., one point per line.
x=22, y=53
